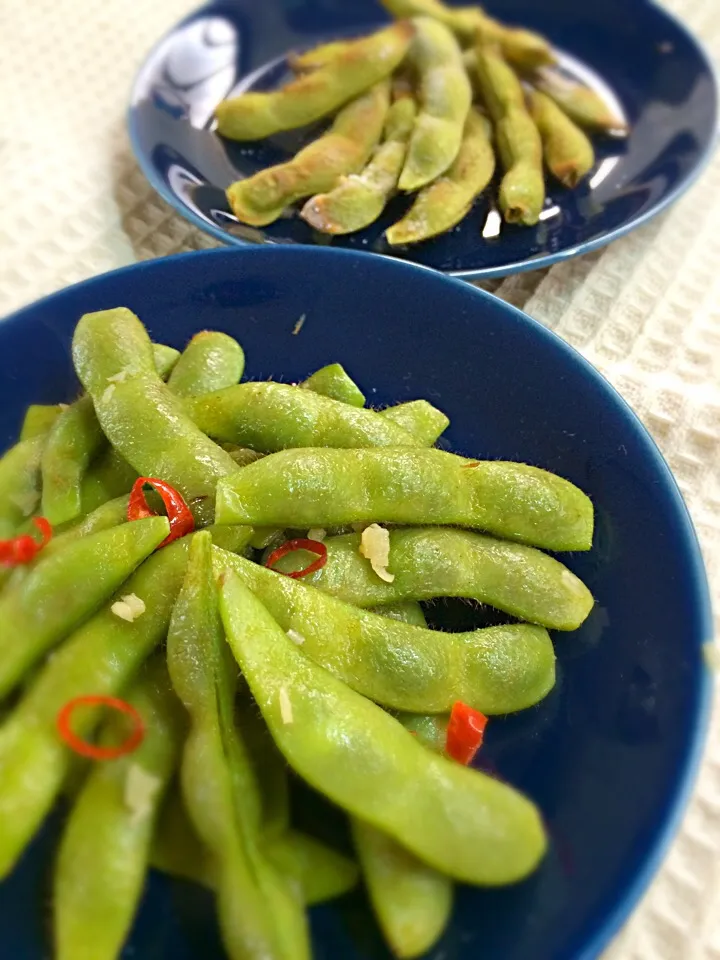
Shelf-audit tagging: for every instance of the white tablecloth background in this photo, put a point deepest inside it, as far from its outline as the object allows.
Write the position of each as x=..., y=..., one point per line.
x=645, y=311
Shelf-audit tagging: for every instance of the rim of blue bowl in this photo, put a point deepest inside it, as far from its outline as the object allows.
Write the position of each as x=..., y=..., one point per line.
x=690, y=763
x=480, y=273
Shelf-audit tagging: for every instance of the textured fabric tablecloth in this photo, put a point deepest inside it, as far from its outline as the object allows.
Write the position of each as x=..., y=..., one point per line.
x=645, y=311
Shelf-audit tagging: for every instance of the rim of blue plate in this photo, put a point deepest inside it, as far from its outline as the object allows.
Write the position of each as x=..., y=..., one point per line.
x=484, y=273
x=690, y=764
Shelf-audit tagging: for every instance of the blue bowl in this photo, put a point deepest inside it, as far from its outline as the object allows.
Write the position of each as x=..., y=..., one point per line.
x=629, y=50
x=611, y=754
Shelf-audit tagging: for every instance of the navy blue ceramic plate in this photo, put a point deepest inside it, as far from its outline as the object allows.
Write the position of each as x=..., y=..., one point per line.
x=631, y=51
x=611, y=754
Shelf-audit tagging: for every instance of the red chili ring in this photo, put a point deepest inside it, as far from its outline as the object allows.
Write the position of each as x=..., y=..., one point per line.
x=24, y=548
x=91, y=750
x=179, y=514
x=290, y=546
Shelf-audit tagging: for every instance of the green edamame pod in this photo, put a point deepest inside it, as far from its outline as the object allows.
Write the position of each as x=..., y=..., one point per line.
x=75, y=439
x=445, y=562
x=242, y=455
x=317, y=57
x=406, y=611
x=461, y=822
x=19, y=484
x=522, y=190
x=64, y=588
x=110, y=476
x=359, y=199
x=522, y=48
x=38, y=420
x=176, y=848
x=344, y=149
x=104, y=851
x=411, y=900
x=569, y=155
x=430, y=729
x=141, y=417
x=259, y=912
x=445, y=98
x=495, y=670
x=273, y=416
x=334, y=381
x=99, y=658
x=211, y=361
x=421, y=419
x=362, y=64
x=582, y=104
x=330, y=488
x=443, y=204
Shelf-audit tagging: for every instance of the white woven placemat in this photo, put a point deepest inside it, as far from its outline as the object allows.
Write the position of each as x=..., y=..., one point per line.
x=645, y=311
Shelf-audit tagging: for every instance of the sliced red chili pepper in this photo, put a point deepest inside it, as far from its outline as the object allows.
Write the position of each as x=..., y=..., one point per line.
x=91, y=750
x=24, y=548
x=179, y=514
x=290, y=546
x=465, y=732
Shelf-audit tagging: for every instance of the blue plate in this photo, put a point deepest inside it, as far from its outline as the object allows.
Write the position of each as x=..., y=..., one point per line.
x=610, y=756
x=631, y=51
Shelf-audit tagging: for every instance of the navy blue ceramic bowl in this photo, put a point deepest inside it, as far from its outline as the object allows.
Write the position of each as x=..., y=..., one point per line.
x=631, y=51
x=610, y=756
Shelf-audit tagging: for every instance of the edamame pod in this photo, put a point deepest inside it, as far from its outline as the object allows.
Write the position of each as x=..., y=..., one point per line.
x=582, y=104
x=334, y=381
x=259, y=913
x=568, y=153
x=38, y=420
x=64, y=588
x=430, y=729
x=421, y=419
x=406, y=611
x=522, y=190
x=211, y=361
x=330, y=488
x=109, y=832
x=75, y=439
x=458, y=820
x=359, y=199
x=445, y=97
x=410, y=899
x=446, y=562
x=443, y=204
x=319, y=56
x=495, y=670
x=274, y=416
x=19, y=484
x=99, y=658
x=362, y=64
x=141, y=417
x=110, y=476
x=344, y=149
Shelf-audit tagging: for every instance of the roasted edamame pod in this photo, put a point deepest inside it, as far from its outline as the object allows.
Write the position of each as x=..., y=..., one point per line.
x=495, y=670
x=75, y=439
x=319, y=56
x=344, y=149
x=259, y=913
x=522, y=189
x=211, y=361
x=99, y=658
x=443, y=204
x=334, y=381
x=141, y=417
x=362, y=64
x=411, y=900
x=109, y=831
x=328, y=488
x=458, y=820
x=445, y=562
x=445, y=97
x=582, y=104
x=64, y=588
x=359, y=199
x=568, y=152
x=274, y=416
